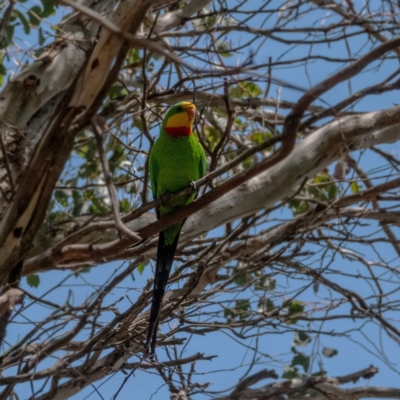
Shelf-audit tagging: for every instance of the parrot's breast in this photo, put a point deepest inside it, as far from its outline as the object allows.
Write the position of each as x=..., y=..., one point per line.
x=179, y=167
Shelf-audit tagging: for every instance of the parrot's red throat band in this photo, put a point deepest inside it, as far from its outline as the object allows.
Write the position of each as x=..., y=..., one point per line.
x=178, y=131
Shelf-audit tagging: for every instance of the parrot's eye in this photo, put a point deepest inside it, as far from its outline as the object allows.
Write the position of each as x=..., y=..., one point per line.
x=180, y=108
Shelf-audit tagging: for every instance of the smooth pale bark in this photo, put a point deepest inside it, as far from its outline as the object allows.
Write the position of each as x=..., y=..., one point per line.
x=310, y=156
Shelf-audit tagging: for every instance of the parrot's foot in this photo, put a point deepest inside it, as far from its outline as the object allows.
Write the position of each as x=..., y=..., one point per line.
x=193, y=185
x=165, y=198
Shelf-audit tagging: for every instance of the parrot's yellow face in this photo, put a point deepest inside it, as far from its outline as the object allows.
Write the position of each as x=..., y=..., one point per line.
x=180, y=119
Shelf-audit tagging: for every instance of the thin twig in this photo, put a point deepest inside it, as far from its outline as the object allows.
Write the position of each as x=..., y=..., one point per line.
x=98, y=126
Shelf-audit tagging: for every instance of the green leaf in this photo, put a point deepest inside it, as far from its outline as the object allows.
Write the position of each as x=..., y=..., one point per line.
x=290, y=372
x=324, y=187
x=57, y=216
x=241, y=278
x=141, y=267
x=117, y=156
x=259, y=137
x=7, y=38
x=133, y=56
x=301, y=339
x=319, y=373
x=131, y=188
x=332, y=191
x=34, y=15
x=117, y=92
x=223, y=48
x=33, y=280
x=241, y=275
x=265, y=305
x=87, y=195
x=298, y=206
x=49, y=8
x=212, y=136
x=228, y=314
x=61, y=198
x=99, y=206
x=304, y=337
x=329, y=352
x=249, y=161
x=89, y=169
x=24, y=21
x=245, y=89
x=294, y=308
x=209, y=21
x=41, y=38
x=239, y=311
x=124, y=205
x=355, y=187
x=78, y=203
x=301, y=359
x=265, y=283
x=242, y=306
x=322, y=178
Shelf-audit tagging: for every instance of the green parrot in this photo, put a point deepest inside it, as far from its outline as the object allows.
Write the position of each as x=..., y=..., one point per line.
x=176, y=160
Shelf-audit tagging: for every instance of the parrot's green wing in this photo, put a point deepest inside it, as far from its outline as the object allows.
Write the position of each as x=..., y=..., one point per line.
x=203, y=164
x=153, y=175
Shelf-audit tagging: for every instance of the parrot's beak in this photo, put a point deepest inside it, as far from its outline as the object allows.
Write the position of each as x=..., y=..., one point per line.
x=191, y=110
